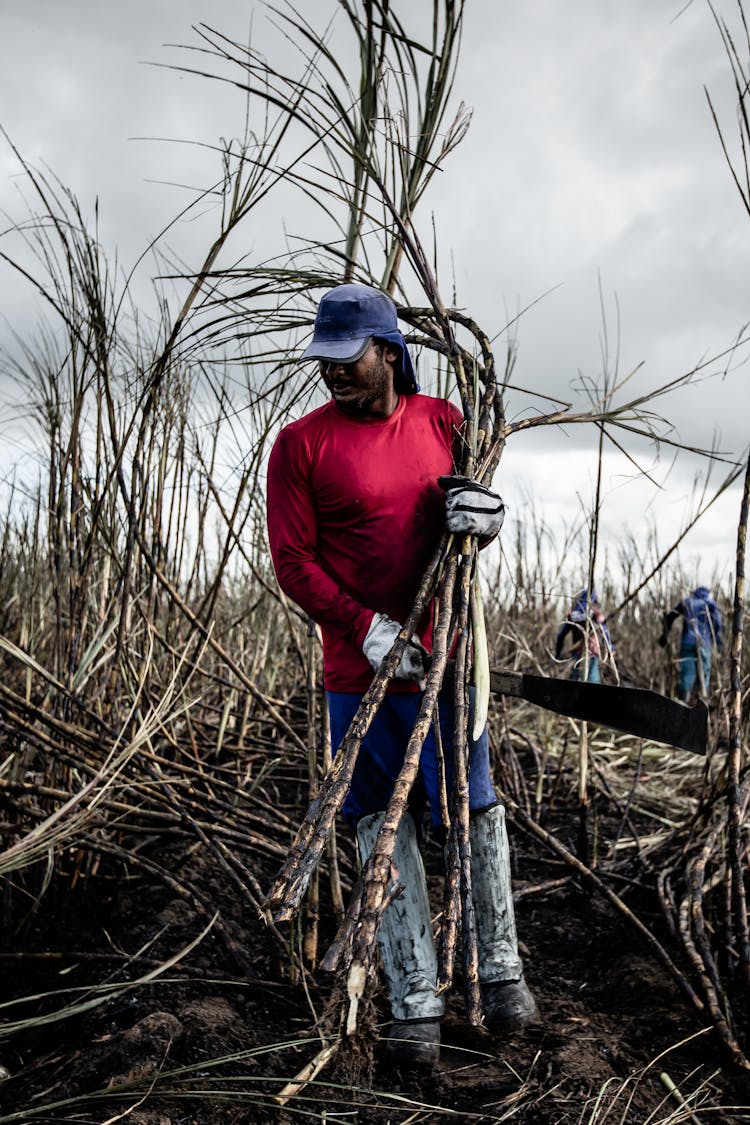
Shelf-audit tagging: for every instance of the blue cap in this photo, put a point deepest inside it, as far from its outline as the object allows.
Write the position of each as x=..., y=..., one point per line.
x=347, y=319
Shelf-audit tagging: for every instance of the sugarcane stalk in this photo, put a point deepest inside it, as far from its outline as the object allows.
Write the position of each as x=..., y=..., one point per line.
x=711, y=1002
x=695, y=918
x=484, y=422
x=308, y=1073
x=334, y=872
x=445, y=816
x=461, y=787
x=451, y=914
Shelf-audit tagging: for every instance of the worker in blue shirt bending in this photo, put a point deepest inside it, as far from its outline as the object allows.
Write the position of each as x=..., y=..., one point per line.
x=702, y=629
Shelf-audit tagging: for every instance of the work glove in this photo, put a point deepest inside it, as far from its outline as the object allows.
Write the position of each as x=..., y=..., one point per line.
x=379, y=641
x=470, y=508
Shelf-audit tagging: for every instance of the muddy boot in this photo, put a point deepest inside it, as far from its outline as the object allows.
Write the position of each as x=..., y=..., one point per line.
x=508, y=1004
x=407, y=950
x=414, y=1042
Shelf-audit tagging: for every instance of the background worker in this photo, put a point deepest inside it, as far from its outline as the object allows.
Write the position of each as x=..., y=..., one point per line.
x=586, y=624
x=355, y=512
x=702, y=628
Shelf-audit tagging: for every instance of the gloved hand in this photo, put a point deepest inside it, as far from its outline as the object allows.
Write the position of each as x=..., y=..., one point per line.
x=662, y=640
x=470, y=508
x=378, y=643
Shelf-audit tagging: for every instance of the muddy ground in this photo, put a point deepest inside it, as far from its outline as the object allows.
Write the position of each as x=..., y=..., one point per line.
x=149, y=1056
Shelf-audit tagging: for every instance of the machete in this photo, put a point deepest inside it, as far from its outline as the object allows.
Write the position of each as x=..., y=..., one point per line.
x=631, y=710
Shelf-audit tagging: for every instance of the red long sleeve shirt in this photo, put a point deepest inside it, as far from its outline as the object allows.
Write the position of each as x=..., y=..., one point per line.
x=354, y=515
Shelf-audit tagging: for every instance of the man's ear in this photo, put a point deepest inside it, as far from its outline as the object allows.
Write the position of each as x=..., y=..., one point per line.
x=391, y=352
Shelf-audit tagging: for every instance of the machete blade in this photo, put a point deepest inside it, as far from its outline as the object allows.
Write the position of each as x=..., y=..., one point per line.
x=637, y=711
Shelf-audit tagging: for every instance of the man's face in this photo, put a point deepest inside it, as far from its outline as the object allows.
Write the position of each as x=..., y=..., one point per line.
x=364, y=388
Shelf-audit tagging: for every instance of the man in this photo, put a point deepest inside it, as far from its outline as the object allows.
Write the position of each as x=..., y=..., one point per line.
x=702, y=627
x=587, y=626
x=355, y=512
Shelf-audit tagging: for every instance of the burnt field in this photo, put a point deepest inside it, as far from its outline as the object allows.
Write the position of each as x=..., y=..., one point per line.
x=141, y=978
x=164, y=918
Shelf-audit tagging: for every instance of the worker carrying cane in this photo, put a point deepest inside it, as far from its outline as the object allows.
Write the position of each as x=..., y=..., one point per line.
x=355, y=512
x=591, y=642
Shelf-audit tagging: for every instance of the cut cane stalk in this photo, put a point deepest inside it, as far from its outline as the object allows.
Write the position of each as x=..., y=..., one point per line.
x=308, y=1073
x=355, y=988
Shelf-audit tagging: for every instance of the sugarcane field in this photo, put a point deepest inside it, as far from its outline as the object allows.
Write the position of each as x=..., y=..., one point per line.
x=343, y=779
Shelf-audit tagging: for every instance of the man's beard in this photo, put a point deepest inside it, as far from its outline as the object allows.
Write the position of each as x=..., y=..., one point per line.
x=376, y=390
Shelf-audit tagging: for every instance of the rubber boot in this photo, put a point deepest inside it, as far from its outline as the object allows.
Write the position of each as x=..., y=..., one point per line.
x=508, y=1004
x=407, y=950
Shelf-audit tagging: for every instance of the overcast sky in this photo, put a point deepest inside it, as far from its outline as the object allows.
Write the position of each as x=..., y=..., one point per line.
x=592, y=161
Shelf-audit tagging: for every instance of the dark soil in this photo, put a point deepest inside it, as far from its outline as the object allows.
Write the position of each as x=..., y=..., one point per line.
x=150, y=1054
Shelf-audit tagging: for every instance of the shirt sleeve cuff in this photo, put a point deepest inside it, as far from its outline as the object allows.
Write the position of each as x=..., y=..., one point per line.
x=361, y=625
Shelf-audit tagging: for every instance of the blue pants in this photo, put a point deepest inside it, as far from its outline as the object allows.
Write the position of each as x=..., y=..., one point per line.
x=382, y=755
x=593, y=676
x=688, y=665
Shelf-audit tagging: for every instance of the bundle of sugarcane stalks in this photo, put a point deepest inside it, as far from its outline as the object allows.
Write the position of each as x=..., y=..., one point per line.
x=451, y=579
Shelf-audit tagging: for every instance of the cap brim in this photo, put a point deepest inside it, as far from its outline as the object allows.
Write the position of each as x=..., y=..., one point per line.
x=341, y=351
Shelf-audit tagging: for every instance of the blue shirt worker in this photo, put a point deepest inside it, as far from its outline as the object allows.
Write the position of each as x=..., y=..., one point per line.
x=591, y=642
x=702, y=628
